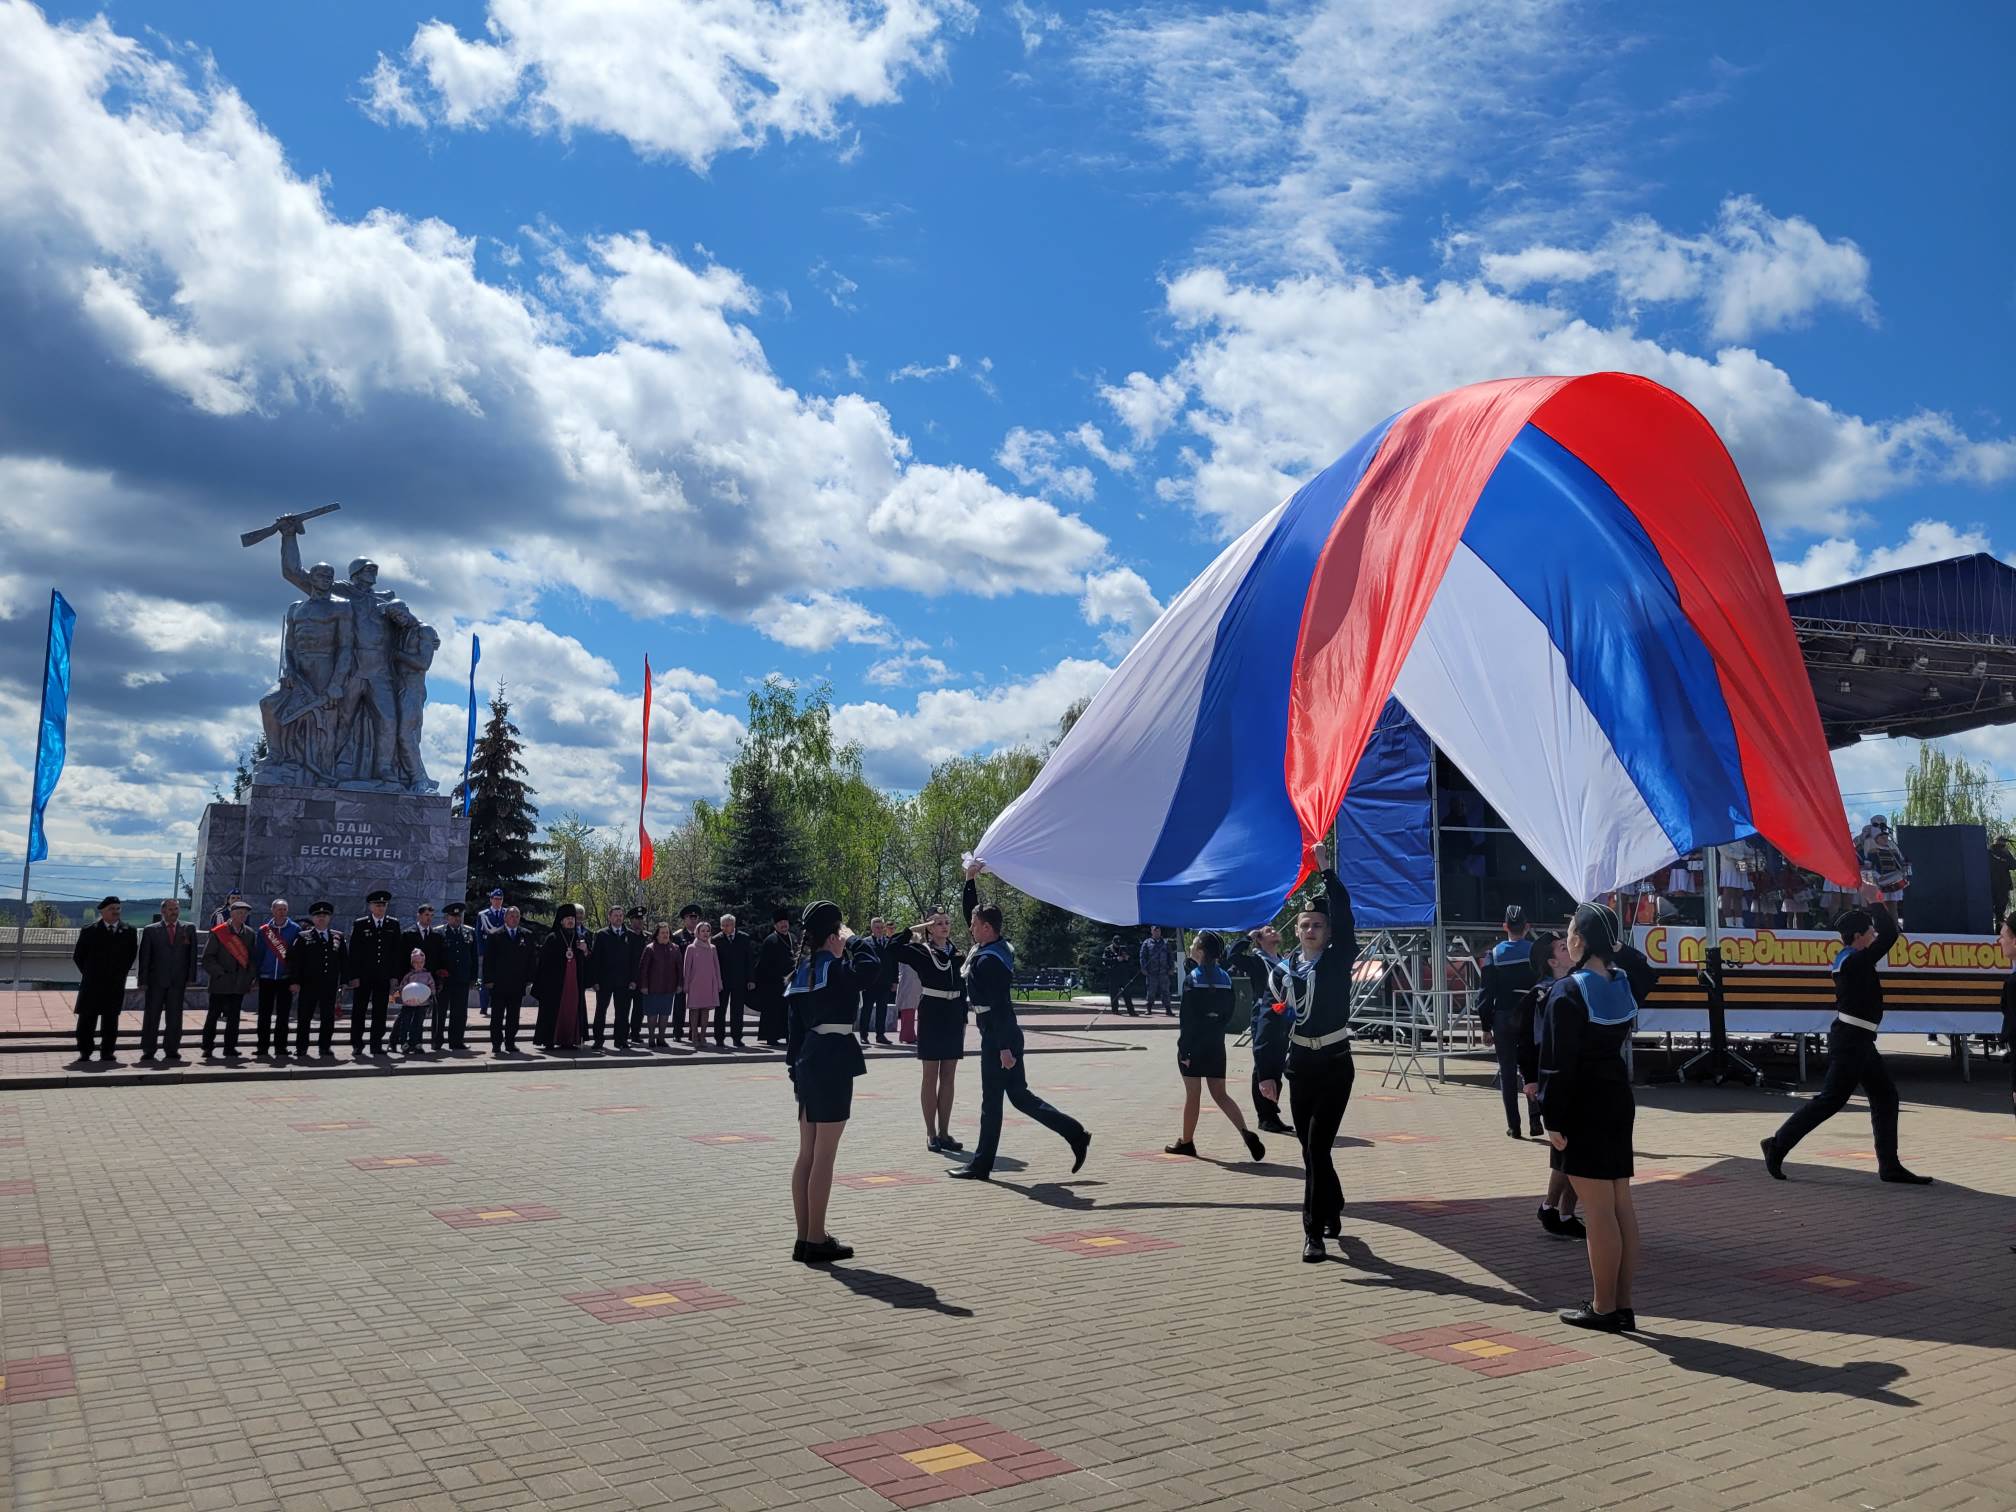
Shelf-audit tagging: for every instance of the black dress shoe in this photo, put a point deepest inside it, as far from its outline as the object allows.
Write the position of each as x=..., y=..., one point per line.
x=969, y=1173
x=826, y=1251
x=1550, y=1220
x=1586, y=1316
x=1513, y=1133
x=1334, y=1229
x=1253, y=1146
x=1774, y=1162
x=798, y=1250
x=884, y=1040
x=1277, y=1127
x=1900, y=1176
x=1181, y=1147
x=1079, y=1147
x=931, y=1143
x=1535, y=1130
x=1572, y=1228
x=947, y=1142
x=1627, y=1320
x=1312, y=1249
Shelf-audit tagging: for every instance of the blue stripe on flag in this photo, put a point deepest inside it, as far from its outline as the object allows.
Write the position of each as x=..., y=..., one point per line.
x=52, y=738
x=1559, y=537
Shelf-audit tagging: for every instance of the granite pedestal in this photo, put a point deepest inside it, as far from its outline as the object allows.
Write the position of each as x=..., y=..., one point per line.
x=302, y=843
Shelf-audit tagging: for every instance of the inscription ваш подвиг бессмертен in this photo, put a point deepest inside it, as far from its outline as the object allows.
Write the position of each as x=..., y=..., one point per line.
x=352, y=840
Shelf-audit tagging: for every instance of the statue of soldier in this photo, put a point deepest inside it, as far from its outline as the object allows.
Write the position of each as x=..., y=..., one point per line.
x=412, y=655
x=316, y=655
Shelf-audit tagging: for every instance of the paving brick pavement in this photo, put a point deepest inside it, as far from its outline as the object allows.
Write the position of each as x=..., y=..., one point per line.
x=233, y=1314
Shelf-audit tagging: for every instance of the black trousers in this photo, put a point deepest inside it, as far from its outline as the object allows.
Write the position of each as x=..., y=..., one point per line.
x=619, y=999
x=1267, y=1107
x=1120, y=990
x=1319, y=1090
x=164, y=1010
x=770, y=1020
x=369, y=997
x=997, y=1084
x=506, y=1006
x=1852, y=1061
x=871, y=1017
x=313, y=1000
x=678, y=1015
x=734, y=998
x=224, y=1008
x=1511, y=1085
x=276, y=1012
x=451, y=1016
x=98, y=1020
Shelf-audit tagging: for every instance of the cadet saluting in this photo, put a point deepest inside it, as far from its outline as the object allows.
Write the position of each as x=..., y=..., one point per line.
x=990, y=988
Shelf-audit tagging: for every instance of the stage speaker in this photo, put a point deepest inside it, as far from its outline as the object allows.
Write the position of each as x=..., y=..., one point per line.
x=1949, y=878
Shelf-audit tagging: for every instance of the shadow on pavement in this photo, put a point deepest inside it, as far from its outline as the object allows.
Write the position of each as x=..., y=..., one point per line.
x=1867, y=1379
x=895, y=1291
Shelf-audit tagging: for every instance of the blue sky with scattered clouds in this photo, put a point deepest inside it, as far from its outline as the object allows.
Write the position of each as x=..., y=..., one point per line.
x=927, y=347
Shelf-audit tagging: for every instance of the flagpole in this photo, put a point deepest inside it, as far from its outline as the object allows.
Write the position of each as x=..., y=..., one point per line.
x=645, y=860
x=42, y=713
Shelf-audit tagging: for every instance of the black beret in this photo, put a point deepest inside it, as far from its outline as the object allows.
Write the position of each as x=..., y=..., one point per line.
x=105, y=903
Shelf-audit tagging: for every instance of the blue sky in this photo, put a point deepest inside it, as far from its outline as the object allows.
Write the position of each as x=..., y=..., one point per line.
x=618, y=333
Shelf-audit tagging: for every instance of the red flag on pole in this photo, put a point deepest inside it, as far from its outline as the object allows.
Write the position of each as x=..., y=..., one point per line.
x=645, y=858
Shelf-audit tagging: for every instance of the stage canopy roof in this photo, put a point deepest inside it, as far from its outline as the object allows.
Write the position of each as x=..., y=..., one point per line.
x=1922, y=651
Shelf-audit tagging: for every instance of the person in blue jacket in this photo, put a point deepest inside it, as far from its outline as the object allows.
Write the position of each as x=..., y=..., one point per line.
x=823, y=1059
x=1202, y=1018
x=990, y=990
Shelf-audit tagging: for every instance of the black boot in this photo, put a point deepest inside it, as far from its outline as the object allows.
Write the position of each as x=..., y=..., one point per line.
x=1774, y=1160
x=1312, y=1249
x=1902, y=1177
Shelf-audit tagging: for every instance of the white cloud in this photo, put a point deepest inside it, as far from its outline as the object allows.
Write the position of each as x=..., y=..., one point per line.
x=622, y=390
x=818, y=621
x=899, y=749
x=925, y=372
x=1031, y=458
x=1032, y=23
x=1836, y=560
x=686, y=81
x=1093, y=440
x=1310, y=119
x=1119, y=597
x=1752, y=271
x=1146, y=406
x=896, y=671
x=838, y=288
x=1287, y=374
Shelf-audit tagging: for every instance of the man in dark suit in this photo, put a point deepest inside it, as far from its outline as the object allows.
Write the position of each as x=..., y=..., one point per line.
x=320, y=962
x=378, y=958
x=609, y=968
x=103, y=954
x=634, y=941
x=507, y=967
x=167, y=967
x=737, y=953
x=776, y=958
x=459, y=962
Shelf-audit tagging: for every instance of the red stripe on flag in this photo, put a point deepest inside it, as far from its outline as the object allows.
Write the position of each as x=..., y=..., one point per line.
x=1378, y=573
x=646, y=858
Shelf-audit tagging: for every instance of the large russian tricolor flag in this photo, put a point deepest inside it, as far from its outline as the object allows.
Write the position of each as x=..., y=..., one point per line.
x=1564, y=581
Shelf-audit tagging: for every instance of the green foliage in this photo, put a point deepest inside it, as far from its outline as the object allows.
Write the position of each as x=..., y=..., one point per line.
x=1947, y=789
x=760, y=863
x=42, y=914
x=503, y=819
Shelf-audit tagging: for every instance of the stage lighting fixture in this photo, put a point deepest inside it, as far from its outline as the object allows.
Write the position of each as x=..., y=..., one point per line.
x=1859, y=655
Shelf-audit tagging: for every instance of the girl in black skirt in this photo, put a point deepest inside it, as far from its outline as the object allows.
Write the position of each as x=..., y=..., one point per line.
x=1200, y=1044
x=824, y=1060
x=1585, y=1100
x=927, y=949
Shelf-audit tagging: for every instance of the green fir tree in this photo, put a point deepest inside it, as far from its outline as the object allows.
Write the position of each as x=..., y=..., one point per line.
x=503, y=818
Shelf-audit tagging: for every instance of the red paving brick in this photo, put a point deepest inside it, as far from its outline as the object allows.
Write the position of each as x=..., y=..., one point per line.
x=332, y=1126
x=498, y=1215
x=37, y=1378
x=21, y=1257
x=1484, y=1349
x=1104, y=1241
x=731, y=1139
x=17, y=1188
x=914, y=1467
x=1405, y=1137
x=1832, y=1281
x=869, y=1181
x=397, y=1162
x=652, y=1299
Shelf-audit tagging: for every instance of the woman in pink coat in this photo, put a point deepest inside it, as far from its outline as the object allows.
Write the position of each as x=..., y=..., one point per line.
x=702, y=975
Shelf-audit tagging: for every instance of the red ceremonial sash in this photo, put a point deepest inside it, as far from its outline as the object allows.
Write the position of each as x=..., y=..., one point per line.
x=232, y=944
x=275, y=941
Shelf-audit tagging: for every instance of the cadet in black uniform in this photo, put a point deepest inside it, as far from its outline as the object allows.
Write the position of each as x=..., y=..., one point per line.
x=1202, y=1017
x=927, y=949
x=377, y=958
x=824, y=995
x=1257, y=954
x=1586, y=1104
x=1866, y=937
x=990, y=989
x=460, y=959
x=320, y=963
x=1507, y=979
x=1550, y=962
x=1314, y=981
x=614, y=974
x=775, y=958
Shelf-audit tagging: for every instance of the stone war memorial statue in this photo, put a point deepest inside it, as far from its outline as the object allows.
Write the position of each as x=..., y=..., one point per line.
x=341, y=803
x=353, y=680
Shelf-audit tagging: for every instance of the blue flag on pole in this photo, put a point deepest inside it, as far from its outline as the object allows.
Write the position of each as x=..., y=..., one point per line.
x=469, y=753
x=52, y=741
